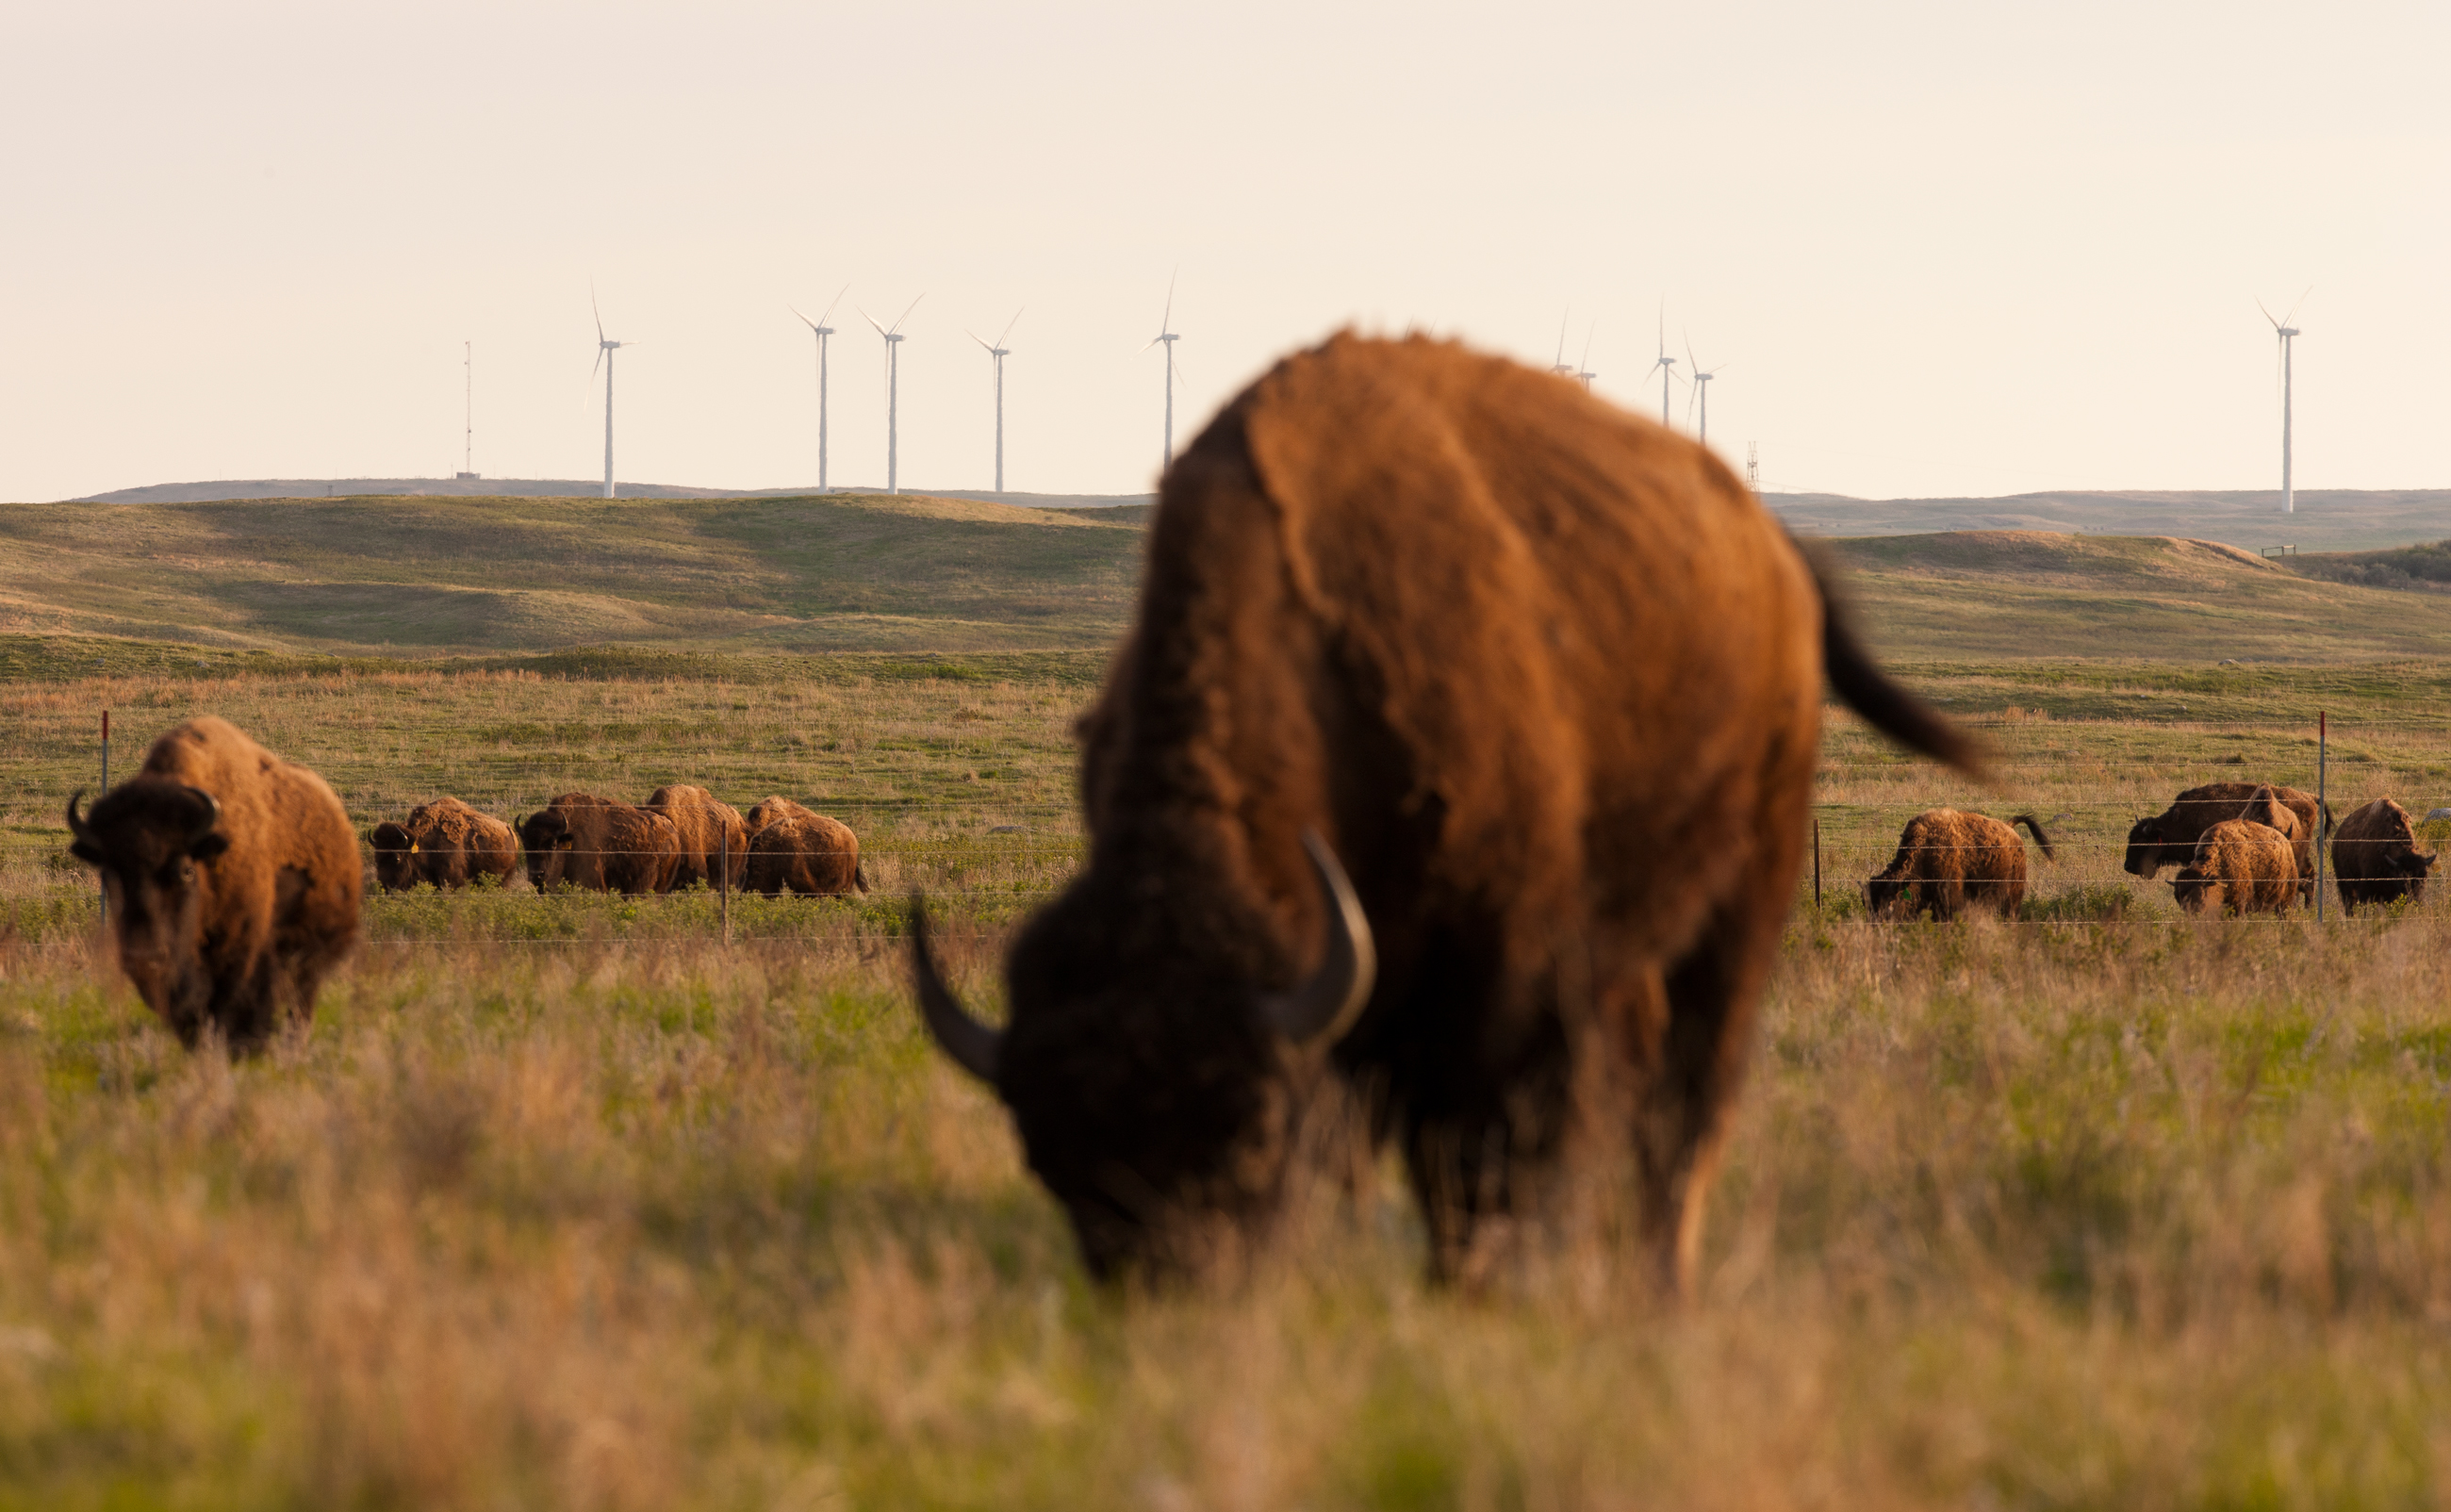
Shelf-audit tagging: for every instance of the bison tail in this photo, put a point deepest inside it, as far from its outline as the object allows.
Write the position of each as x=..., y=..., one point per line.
x=2035, y=830
x=1891, y=709
x=859, y=876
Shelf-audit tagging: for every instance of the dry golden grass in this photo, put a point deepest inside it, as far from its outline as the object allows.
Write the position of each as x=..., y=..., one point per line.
x=564, y=1203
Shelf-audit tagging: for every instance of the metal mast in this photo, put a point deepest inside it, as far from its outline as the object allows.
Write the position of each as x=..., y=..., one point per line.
x=822, y=330
x=605, y=350
x=1165, y=334
x=893, y=340
x=2286, y=332
x=468, y=431
x=997, y=352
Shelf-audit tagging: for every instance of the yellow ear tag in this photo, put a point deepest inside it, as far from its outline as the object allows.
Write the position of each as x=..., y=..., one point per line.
x=412, y=847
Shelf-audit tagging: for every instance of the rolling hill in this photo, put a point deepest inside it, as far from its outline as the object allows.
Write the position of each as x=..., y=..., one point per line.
x=431, y=574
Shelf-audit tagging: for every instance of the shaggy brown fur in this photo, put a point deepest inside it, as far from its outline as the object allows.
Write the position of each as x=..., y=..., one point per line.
x=1948, y=861
x=794, y=851
x=1549, y=681
x=2240, y=867
x=703, y=822
x=2375, y=856
x=2168, y=838
x=445, y=843
x=599, y=843
x=233, y=878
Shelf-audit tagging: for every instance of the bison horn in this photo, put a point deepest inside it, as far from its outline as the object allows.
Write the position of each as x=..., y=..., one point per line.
x=77, y=826
x=1325, y=1007
x=211, y=817
x=974, y=1047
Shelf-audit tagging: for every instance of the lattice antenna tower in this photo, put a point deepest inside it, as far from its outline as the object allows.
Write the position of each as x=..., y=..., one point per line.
x=1753, y=465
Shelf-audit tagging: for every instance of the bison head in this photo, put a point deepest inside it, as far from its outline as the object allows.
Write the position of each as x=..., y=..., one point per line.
x=395, y=857
x=545, y=838
x=2145, y=842
x=154, y=841
x=1882, y=891
x=1144, y=1090
x=2191, y=888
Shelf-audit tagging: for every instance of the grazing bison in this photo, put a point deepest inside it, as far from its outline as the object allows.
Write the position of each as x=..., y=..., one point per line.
x=2375, y=857
x=2242, y=867
x=794, y=851
x=710, y=828
x=2168, y=838
x=1547, y=679
x=599, y=843
x=1948, y=860
x=233, y=878
x=445, y=843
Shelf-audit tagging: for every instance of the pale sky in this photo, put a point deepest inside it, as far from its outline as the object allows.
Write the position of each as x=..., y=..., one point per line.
x=1940, y=249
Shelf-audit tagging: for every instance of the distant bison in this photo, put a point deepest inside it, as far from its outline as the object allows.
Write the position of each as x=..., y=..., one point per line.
x=2240, y=867
x=233, y=878
x=601, y=844
x=709, y=829
x=1549, y=681
x=1948, y=861
x=2375, y=857
x=795, y=850
x=2168, y=838
x=444, y=843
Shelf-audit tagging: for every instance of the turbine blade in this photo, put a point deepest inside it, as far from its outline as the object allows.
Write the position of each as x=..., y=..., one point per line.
x=600, y=361
x=596, y=311
x=1008, y=325
x=1581, y=361
x=2295, y=306
x=804, y=320
x=1166, y=322
x=1691, y=361
x=2268, y=314
x=1560, y=360
x=974, y=336
x=906, y=314
x=832, y=303
x=871, y=318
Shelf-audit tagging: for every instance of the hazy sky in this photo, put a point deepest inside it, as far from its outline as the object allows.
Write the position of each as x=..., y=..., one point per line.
x=1940, y=249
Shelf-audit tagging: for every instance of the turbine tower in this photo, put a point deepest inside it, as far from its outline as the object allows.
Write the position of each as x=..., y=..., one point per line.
x=2286, y=332
x=893, y=340
x=1579, y=370
x=1166, y=333
x=822, y=330
x=1666, y=364
x=998, y=353
x=605, y=350
x=1701, y=390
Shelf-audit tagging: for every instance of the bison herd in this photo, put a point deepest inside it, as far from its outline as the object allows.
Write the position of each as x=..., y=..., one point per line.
x=2239, y=848
x=234, y=877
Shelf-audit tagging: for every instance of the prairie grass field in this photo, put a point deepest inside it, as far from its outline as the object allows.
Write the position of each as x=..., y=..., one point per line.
x=570, y=1202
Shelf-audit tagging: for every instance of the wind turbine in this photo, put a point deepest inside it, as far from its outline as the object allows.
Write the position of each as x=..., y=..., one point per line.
x=998, y=353
x=605, y=350
x=1558, y=365
x=893, y=340
x=1166, y=333
x=2286, y=332
x=1579, y=370
x=822, y=330
x=1702, y=389
x=1666, y=364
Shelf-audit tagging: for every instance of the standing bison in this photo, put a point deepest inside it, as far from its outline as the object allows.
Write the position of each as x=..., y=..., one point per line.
x=709, y=830
x=2375, y=857
x=1546, y=682
x=1948, y=861
x=233, y=878
x=2168, y=838
x=2241, y=866
x=792, y=849
x=601, y=844
x=444, y=843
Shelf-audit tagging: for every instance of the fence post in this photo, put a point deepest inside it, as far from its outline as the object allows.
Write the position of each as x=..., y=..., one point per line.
x=1816, y=860
x=2322, y=752
x=723, y=875
x=102, y=887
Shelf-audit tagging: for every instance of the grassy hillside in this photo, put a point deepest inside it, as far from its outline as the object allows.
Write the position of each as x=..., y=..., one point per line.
x=427, y=575
x=2018, y=594
x=2326, y=519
